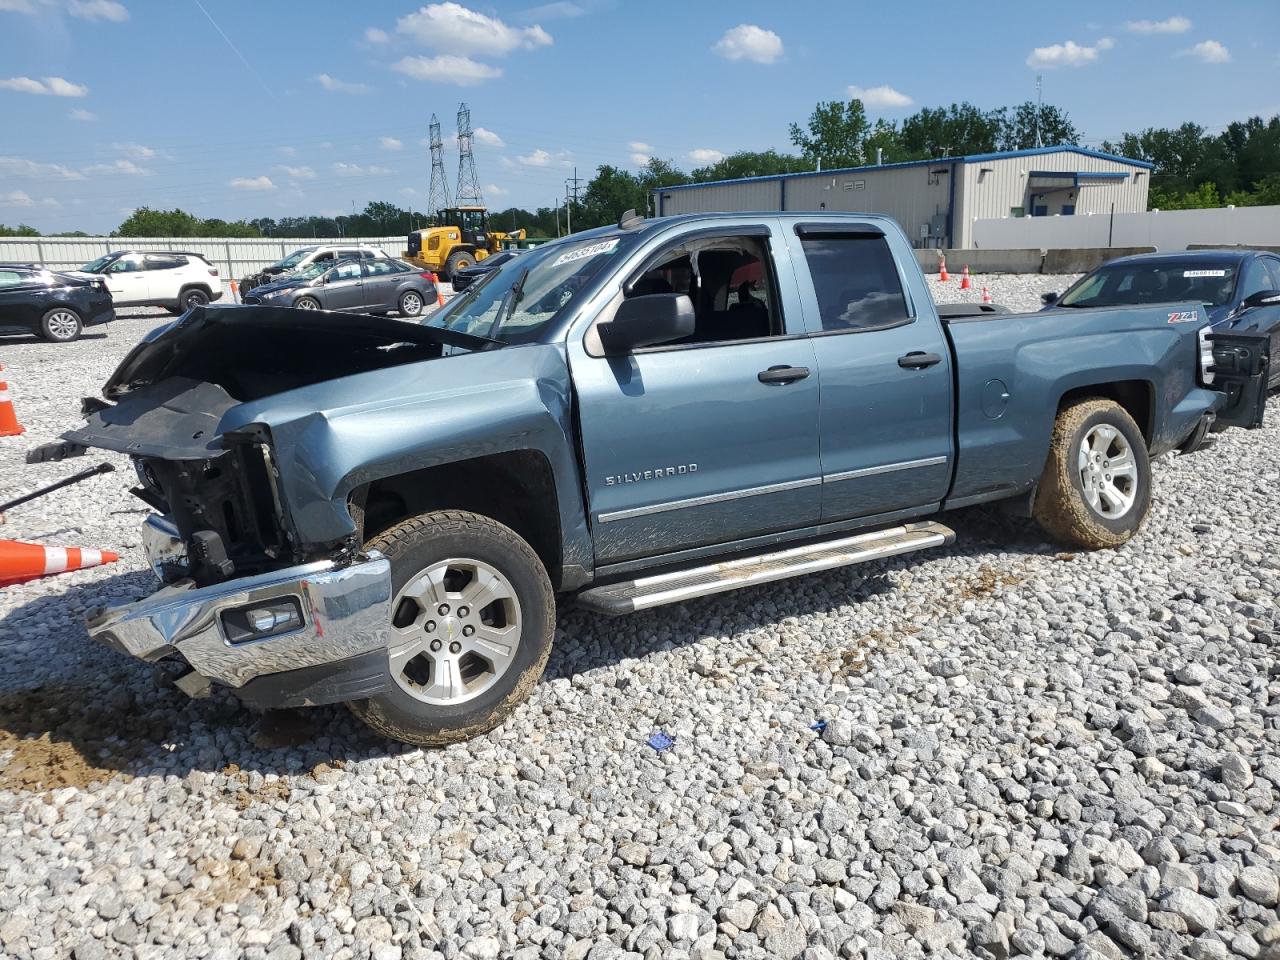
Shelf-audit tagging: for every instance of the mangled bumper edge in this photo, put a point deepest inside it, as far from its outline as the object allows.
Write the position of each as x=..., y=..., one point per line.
x=345, y=617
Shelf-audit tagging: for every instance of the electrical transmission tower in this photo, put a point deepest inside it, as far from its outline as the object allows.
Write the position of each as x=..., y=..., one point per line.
x=468, y=192
x=439, y=182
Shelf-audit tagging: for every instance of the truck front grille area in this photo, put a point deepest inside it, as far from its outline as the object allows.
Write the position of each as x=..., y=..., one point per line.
x=226, y=509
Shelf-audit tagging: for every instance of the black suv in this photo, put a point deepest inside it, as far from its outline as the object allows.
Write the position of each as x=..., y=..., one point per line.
x=54, y=305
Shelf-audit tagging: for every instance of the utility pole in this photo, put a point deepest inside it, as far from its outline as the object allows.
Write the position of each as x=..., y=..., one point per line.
x=468, y=192
x=1039, y=106
x=571, y=191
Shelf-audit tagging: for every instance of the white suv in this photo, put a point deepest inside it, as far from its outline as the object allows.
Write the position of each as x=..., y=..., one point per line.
x=173, y=280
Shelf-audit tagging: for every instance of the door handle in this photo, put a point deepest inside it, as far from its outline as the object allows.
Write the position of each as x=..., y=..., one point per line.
x=782, y=374
x=918, y=360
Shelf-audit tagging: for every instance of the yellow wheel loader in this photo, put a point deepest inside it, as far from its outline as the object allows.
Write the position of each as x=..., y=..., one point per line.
x=462, y=241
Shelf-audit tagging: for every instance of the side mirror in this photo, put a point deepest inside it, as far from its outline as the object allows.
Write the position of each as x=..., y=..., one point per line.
x=1048, y=298
x=646, y=321
x=1263, y=298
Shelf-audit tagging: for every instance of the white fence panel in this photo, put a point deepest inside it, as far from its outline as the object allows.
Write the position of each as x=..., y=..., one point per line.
x=1164, y=230
x=233, y=257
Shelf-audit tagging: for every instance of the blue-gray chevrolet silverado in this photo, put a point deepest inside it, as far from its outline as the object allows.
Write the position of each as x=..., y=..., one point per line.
x=352, y=508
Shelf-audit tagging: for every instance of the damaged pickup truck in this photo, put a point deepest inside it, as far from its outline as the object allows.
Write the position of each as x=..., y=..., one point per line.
x=356, y=509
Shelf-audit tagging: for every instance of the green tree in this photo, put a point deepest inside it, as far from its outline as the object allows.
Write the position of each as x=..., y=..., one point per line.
x=749, y=163
x=1030, y=121
x=145, y=222
x=834, y=134
x=21, y=230
x=886, y=138
x=952, y=131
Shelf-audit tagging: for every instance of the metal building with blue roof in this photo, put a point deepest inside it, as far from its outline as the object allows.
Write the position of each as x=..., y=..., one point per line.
x=937, y=201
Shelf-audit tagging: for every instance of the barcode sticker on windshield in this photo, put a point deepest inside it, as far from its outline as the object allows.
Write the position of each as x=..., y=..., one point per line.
x=590, y=250
x=1204, y=273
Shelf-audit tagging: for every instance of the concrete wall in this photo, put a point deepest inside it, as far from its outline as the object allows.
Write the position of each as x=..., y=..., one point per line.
x=1164, y=230
x=992, y=194
x=1082, y=260
x=983, y=261
x=234, y=258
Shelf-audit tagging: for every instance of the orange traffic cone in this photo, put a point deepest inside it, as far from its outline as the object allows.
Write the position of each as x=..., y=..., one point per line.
x=986, y=296
x=9, y=425
x=435, y=282
x=235, y=292
x=20, y=562
x=943, y=276
x=964, y=280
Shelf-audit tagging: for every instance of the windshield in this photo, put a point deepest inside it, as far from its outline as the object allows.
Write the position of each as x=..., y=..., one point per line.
x=295, y=258
x=1142, y=282
x=311, y=270
x=521, y=297
x=97, y=266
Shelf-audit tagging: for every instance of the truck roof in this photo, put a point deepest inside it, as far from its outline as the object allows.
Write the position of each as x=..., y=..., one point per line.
x=652, y=224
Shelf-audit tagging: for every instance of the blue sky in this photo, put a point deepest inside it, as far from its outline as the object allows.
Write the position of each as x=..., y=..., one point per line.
x=112, y=104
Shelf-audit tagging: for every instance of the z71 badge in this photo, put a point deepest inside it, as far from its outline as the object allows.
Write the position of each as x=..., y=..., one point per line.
x=1182, y=316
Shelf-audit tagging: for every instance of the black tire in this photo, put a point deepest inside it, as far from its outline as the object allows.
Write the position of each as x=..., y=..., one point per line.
x=407, y=301
x=458, y=260
x=61, y=325
x=1062, y=506
x=192, y=297
x=414, y=546
x=307, y=303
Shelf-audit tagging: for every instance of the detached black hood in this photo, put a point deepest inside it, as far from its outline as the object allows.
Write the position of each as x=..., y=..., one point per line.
x=257, y=351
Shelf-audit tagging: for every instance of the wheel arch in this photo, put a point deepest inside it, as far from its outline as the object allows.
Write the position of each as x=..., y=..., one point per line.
x=1136, y=397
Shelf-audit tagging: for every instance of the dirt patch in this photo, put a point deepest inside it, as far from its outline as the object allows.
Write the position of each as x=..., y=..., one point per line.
x=246, y=797
x=52, y=737
x=982, y=584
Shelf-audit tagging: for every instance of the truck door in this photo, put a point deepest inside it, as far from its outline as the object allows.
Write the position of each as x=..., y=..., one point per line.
x=885, y=368
x=713, y=439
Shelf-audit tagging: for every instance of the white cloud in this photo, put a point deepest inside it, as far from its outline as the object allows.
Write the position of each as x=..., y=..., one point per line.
x=1171, y=25
x=286, y=151
x=496, y=191
x=16, y=6
x=374, y=35
x=83, y=115
x=1209, y=51
x=408, y=192
x=705, y=156
x=126, y=167
x=390, y=143
x=446, y=68
x=355, y=170
x=640, y=159
x=18, y=167
x=135, y=150
x=562, y=10
x=1068, y=54
x=454, y=28
x=298, y=173
x=49, y=87
x=749, y=42
x=640, y=146
x=252, y=183
x=17, y=199
x=539, y=158
x=334, y=85
x=487, y=137
x=1105, y=43
x=98, y=10
x=883, y=97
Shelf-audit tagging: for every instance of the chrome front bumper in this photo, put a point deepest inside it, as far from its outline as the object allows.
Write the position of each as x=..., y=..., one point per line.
x=346, y=612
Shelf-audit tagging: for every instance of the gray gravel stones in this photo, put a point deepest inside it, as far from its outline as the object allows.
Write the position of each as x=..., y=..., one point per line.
x=1028, y=752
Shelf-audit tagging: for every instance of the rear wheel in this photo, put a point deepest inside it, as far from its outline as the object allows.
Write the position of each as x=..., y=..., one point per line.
x=1095, y=490
x=458, y=260
x=307, y=303
x=410, y=303
x=473, y=615
x=192, y=297
x=61, y=325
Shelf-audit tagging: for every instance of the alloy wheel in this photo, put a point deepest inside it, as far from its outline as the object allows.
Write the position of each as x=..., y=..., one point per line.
x=1108, y=471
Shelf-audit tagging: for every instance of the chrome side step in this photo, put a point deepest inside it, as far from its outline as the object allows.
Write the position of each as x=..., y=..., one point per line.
x=645, y=592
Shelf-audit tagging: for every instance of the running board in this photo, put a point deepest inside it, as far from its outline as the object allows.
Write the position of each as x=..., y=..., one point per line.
x=645, y=592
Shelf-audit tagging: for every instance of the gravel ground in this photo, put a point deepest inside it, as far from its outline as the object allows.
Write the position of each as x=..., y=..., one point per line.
x=1026, y=752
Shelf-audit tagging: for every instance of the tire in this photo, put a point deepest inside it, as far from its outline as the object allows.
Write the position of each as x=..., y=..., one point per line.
x=411, y=302
x=192, y=297
x=307, y=303
x=1083, y=499
x=458, y=260
x=61, y=325
x=430, y=556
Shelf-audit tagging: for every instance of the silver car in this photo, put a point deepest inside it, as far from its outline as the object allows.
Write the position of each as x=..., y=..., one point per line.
x=364, y=286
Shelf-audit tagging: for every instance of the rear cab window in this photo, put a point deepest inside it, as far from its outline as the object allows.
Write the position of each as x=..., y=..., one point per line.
x=855, y=280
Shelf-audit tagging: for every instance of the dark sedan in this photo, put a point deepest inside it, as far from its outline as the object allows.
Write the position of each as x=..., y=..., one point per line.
x=465, y=278
x=51, y=304
x=1240, y=289
x=368, y=286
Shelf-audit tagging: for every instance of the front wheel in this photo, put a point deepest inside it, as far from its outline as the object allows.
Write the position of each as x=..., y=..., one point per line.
x=307, y=303
x=472, y=619
x=410, y=303
x=458, y=260
x=61, y=325
x=1095, y=490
